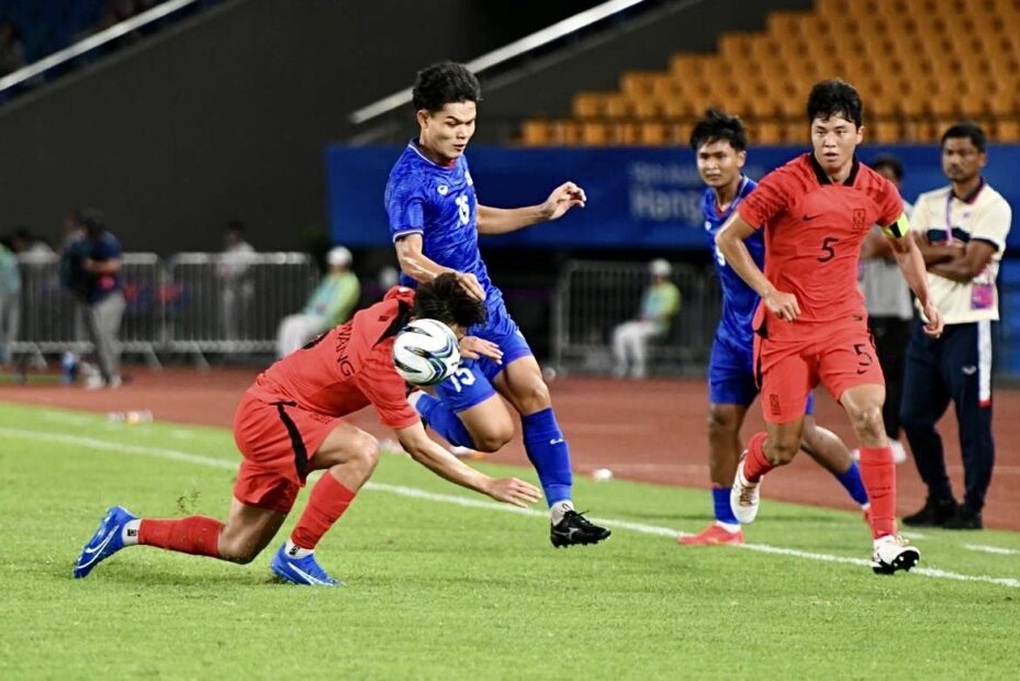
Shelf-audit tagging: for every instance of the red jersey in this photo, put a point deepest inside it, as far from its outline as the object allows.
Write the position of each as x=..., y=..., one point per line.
x=814, y=236
x=348, y=367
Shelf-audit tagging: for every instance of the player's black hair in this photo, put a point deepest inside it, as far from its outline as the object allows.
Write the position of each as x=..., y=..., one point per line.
x=970, y=130
x=445, y=300
x=92, y=221
x=443, y=83
x=718, y=126
x=234, y=226
x=892, y=163
x=835, y=97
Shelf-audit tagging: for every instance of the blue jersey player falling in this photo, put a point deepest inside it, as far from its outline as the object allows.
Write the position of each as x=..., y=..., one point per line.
x=435, y=221
x=720, y=145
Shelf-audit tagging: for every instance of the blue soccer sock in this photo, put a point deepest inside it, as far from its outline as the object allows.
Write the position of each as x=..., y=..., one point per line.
x=549, y=454
x=851, y=480
x=442, y=420
x=723, y=510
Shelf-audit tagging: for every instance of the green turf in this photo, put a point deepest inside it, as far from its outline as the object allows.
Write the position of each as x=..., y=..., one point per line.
x=442, y=591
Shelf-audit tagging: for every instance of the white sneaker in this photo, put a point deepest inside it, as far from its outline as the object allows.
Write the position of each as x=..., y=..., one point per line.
x=899, y=454
x=744, y=495
x=892, y=554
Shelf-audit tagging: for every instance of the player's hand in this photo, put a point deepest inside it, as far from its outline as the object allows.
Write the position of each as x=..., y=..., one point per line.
x=782, y=305
x=474, y=347
x=935, y=322
x=513, y=491
x=562, y=199
x=469, y=283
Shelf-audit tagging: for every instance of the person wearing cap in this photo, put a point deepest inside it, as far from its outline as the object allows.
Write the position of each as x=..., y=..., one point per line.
x=330, y=304
x=659, y=305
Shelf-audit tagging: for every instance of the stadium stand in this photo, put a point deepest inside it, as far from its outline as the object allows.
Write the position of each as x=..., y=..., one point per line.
x=920, y=65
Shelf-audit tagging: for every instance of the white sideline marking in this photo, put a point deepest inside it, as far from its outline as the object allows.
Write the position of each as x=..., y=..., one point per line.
x=415, y=493
x=997, y=550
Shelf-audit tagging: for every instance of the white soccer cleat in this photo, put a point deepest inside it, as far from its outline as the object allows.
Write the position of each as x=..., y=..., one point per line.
x=744, y=495
x=899, y=454
x=892, y=554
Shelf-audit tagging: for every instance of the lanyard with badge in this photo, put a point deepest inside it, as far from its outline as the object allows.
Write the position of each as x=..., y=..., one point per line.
x=982, y=287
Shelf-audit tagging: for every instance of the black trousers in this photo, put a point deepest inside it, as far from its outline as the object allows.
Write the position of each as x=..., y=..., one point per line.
x=891, y=335
x=955, y=367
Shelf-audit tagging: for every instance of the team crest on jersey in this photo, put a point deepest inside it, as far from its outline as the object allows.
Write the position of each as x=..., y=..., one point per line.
x=442, y=189
x=467, y=178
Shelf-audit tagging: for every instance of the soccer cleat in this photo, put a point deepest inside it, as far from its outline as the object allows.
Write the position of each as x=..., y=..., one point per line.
x=713, y=535
x=108, y=540
x=301, y=570
x=892, y=554
x=575, y=529
x=935, y=513
x=744, y=496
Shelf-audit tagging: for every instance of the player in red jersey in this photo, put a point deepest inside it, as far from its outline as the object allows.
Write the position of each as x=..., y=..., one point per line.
x=811, y=326
x=289, y=423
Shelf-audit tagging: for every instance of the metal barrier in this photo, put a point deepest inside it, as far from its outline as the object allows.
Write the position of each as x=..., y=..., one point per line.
x=592, y=297
x=193, y=303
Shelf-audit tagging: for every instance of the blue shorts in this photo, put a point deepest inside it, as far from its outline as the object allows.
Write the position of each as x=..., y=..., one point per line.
x=471, y=384
x=731, y=375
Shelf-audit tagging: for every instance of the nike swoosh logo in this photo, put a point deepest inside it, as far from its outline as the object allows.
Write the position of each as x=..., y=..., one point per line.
x=970, y=371
x=311, y=579
x=556, y=441
x=811, y=217
x=97, y=551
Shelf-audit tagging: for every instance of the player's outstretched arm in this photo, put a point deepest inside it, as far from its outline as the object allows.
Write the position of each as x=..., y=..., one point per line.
x=503, y=220
x=415, y=264
x=730, y=242
x=911, y=262
x=444, y=464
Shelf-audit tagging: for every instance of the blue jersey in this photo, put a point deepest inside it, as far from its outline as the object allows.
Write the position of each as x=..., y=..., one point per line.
x=739, y=300
x=439, y=203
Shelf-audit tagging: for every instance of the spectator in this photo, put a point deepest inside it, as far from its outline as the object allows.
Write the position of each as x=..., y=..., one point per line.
x=238, y=285
x=659, y=305
x=10, y=302
x=330, y=304
x=962, y=231
x=27, y=245
x=90, y=268
x=890, y=310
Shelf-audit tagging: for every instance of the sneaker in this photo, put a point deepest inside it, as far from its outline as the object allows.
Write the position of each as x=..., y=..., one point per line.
x=300, y=570
x=935, y=513
x=744, y=496
x=892, y=554
x=964, y=519
x=713, y=535
x=107, y=541
x=575, y=529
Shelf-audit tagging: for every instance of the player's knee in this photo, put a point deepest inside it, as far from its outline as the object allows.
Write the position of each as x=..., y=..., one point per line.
x=867, y=420
x=534, y=398
x=495, y=437
x=364, y=450
x=721, y=423
x=780, y=452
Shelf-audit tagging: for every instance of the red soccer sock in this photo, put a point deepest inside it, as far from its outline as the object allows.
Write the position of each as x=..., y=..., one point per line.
x=879, y=474
x=327, y=502
x=755, y=463
x=197, y=535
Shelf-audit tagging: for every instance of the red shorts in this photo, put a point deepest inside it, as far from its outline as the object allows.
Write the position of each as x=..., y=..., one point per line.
x=788, y=370
x=277, y=441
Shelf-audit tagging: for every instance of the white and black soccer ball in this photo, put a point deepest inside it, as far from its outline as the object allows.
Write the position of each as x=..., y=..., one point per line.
x=425, y=352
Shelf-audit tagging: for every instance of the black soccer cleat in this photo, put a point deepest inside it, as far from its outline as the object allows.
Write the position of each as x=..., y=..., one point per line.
x=574, y=529
x=934, y=513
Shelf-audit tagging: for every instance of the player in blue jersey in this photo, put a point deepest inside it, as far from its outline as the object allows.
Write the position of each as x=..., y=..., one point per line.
x=720, y=144
x=435, y=221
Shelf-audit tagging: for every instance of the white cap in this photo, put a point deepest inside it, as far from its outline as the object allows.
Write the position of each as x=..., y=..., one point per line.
x=660, y=267
x=338, y=256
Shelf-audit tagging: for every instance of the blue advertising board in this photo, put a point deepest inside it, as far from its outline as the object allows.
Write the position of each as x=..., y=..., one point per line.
x=637, y=197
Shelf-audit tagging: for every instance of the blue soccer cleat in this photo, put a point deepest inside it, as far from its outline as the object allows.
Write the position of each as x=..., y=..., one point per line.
x=301, y=570
x=107, y=541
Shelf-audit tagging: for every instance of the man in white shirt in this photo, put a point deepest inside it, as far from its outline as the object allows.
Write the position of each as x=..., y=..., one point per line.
x=962, y=233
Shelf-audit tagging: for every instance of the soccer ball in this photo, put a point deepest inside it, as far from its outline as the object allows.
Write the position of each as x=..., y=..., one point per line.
x=425, y=352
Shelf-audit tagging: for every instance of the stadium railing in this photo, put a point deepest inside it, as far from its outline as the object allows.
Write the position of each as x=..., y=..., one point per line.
x=592, y=297
x=191, y=303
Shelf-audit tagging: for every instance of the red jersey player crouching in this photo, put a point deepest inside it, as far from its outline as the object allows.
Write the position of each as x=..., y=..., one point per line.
x=811, y=326
x=289, y=423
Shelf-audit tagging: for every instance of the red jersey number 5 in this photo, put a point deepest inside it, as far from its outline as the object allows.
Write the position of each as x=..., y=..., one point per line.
x=828, y=247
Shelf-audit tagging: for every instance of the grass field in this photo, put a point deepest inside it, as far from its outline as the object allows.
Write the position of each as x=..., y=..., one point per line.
x=443, y=584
